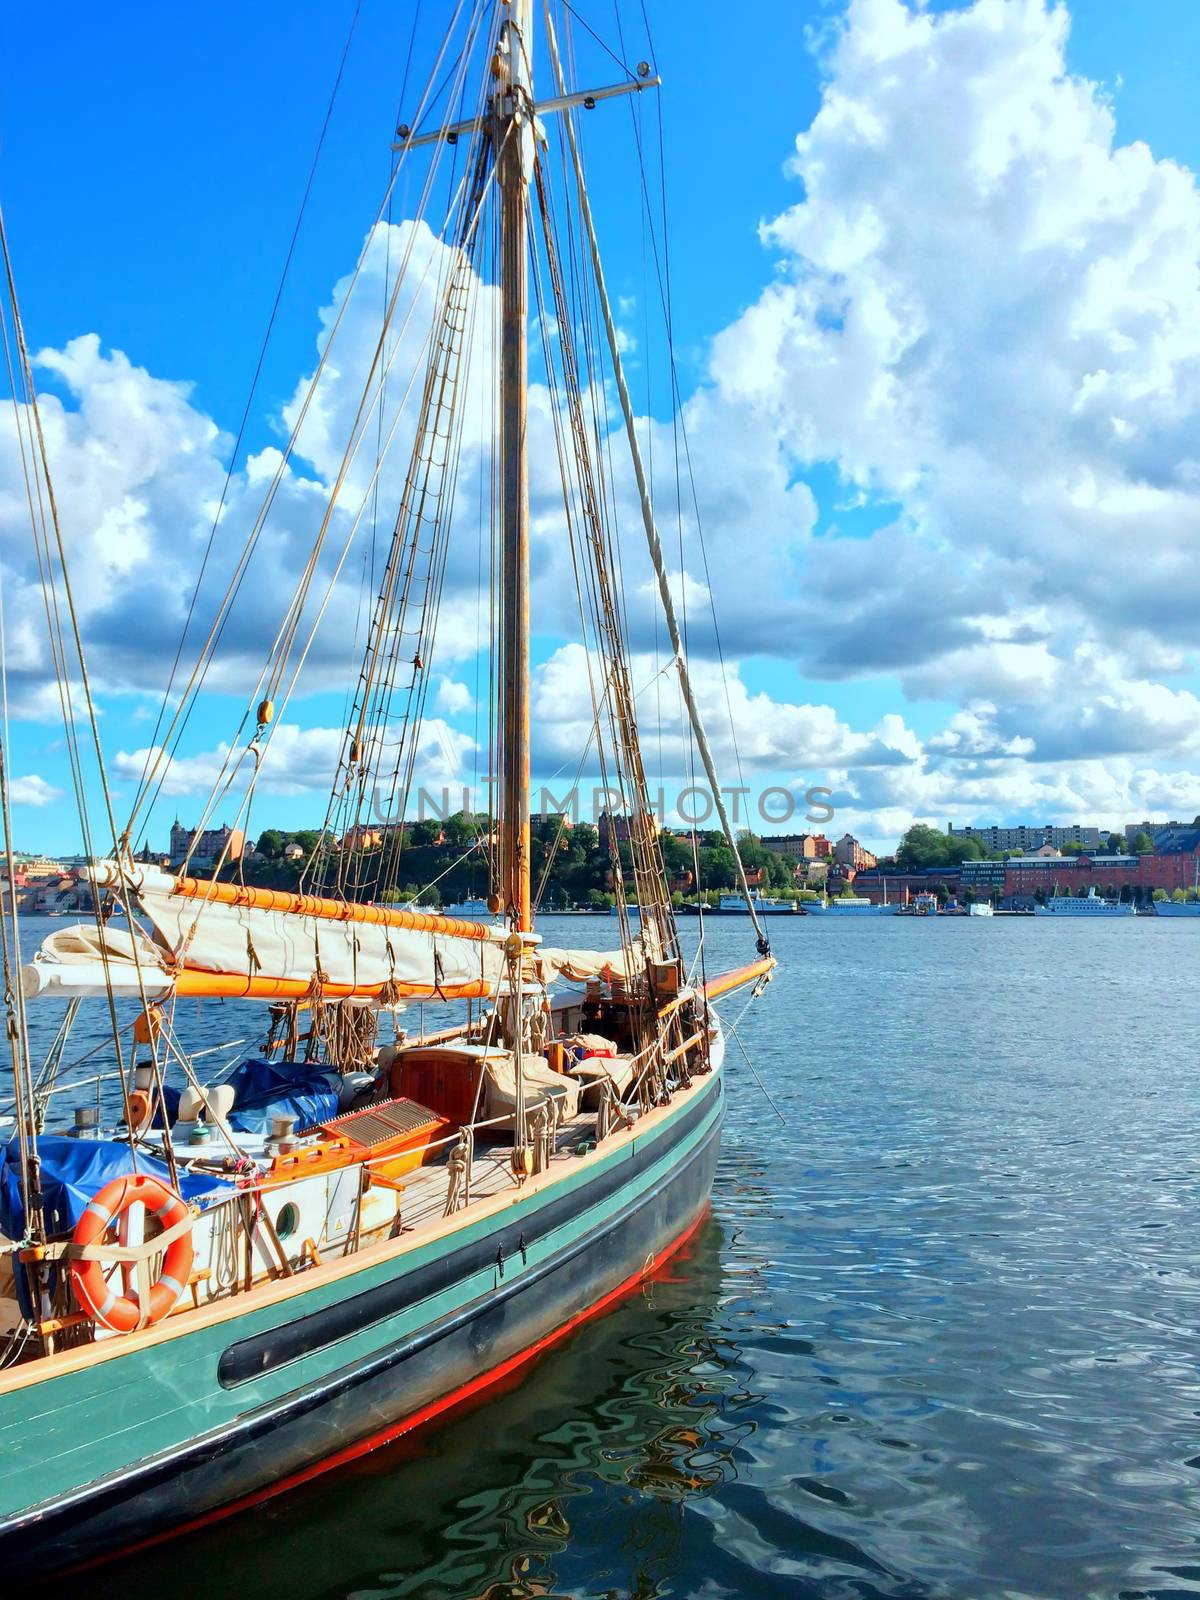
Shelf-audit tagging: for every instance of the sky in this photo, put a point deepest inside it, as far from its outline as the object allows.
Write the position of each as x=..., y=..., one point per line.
x=934, y=298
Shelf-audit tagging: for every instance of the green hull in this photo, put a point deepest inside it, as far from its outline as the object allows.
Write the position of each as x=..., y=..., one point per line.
x=145, y=1435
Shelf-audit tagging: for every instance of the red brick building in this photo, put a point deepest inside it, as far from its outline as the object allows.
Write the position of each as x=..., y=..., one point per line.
x=1107, y=874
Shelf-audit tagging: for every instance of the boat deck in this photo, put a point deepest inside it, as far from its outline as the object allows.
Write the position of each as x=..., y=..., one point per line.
x=426, y=1189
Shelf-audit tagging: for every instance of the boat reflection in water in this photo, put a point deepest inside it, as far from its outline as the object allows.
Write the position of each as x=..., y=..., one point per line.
x=586, y=1459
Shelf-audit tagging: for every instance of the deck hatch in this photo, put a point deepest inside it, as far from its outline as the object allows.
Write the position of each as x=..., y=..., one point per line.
x=377, y=1124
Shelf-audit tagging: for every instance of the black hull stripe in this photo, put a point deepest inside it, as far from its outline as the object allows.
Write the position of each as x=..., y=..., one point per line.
x=264, y=1352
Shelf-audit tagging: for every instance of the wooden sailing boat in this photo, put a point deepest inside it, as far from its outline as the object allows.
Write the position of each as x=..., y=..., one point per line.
x=245, y=1284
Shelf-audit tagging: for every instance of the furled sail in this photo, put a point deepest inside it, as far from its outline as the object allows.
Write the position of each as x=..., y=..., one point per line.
x=577, y=966
x=225, y=939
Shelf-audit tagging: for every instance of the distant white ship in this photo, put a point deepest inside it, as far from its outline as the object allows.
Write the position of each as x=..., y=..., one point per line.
x=467, y=908
x=849, y=905
x=765, y=904
x=1089, y=905
x=981, y=908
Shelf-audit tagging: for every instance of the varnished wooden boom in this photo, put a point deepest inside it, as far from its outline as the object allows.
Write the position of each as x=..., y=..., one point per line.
x=738, y=977
x=197, y=983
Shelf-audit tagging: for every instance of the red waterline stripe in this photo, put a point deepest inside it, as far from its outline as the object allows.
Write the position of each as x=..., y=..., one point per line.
x=416, y=1419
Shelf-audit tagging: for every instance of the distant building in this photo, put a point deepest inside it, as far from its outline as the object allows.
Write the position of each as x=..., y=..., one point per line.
x=982, y=875
x=613, y=828
x=1030, y=837
x=898, y=888
x=811, y=874
x=1167, y=837
x=795, y=846
x=1107, y=874
x=205, y=849
x=847, y=852
x=39, y=869
x=362, y=837
x=55, y=895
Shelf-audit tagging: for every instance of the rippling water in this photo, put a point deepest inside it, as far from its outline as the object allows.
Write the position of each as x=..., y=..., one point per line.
x=938, y=1338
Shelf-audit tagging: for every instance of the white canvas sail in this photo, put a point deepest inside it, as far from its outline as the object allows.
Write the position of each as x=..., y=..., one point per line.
x=266, y=945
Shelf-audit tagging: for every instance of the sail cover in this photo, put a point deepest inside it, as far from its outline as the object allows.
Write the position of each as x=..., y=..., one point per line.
x=225, y=939
x=577, y=966
x=228, y=940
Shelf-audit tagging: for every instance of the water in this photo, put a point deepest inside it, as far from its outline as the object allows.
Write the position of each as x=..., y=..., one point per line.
x=938, y=1338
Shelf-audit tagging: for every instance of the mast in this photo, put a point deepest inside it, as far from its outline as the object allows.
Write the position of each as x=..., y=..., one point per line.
x=513, y=113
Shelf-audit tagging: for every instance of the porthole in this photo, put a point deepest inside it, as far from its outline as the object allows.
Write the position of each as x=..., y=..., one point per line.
x=288, y=1220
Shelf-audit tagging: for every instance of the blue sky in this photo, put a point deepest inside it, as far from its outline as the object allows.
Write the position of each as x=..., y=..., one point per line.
x=150, y=177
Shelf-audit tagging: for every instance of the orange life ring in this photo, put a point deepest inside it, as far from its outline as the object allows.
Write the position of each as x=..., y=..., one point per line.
x=123, y=1313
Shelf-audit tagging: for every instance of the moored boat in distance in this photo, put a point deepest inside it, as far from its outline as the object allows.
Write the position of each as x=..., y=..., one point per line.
x=849, y=905
x=469, y=908
x=735, y=905
x=1182, y=908
x=921, y=905
x=1089, y=905
x=981, y=908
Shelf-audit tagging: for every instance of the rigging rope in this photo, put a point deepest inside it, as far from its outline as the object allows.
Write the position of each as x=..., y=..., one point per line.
x=652, y=538
x=152, y=784
x=262, y=354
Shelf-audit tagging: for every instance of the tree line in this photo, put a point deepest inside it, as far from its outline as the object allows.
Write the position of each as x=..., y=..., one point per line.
x=446, y=863
x=924, y=846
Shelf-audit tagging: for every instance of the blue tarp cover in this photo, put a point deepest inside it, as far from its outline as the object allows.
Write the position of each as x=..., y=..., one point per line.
x=73, y=1170
x=266, y=1089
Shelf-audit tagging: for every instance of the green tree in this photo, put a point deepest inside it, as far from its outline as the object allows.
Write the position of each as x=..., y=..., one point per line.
x=460, y=829
x=1143, y=844
x=717, y=868
x=676, y=853
x=1116, y=844
x=959, y=849
x=922, y=846
x=270, y=843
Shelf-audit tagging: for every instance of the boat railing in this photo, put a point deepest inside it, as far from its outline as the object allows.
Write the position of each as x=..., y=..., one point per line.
x=666, y=1062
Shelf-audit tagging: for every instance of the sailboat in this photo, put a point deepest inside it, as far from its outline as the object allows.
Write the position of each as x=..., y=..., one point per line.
x=215, y=1291
x=1183, y=908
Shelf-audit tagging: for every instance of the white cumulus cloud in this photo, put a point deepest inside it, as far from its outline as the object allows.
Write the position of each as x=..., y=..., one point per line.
x=31, y=790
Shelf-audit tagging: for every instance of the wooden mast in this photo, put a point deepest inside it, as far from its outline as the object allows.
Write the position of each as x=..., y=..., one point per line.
x=513, y=113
